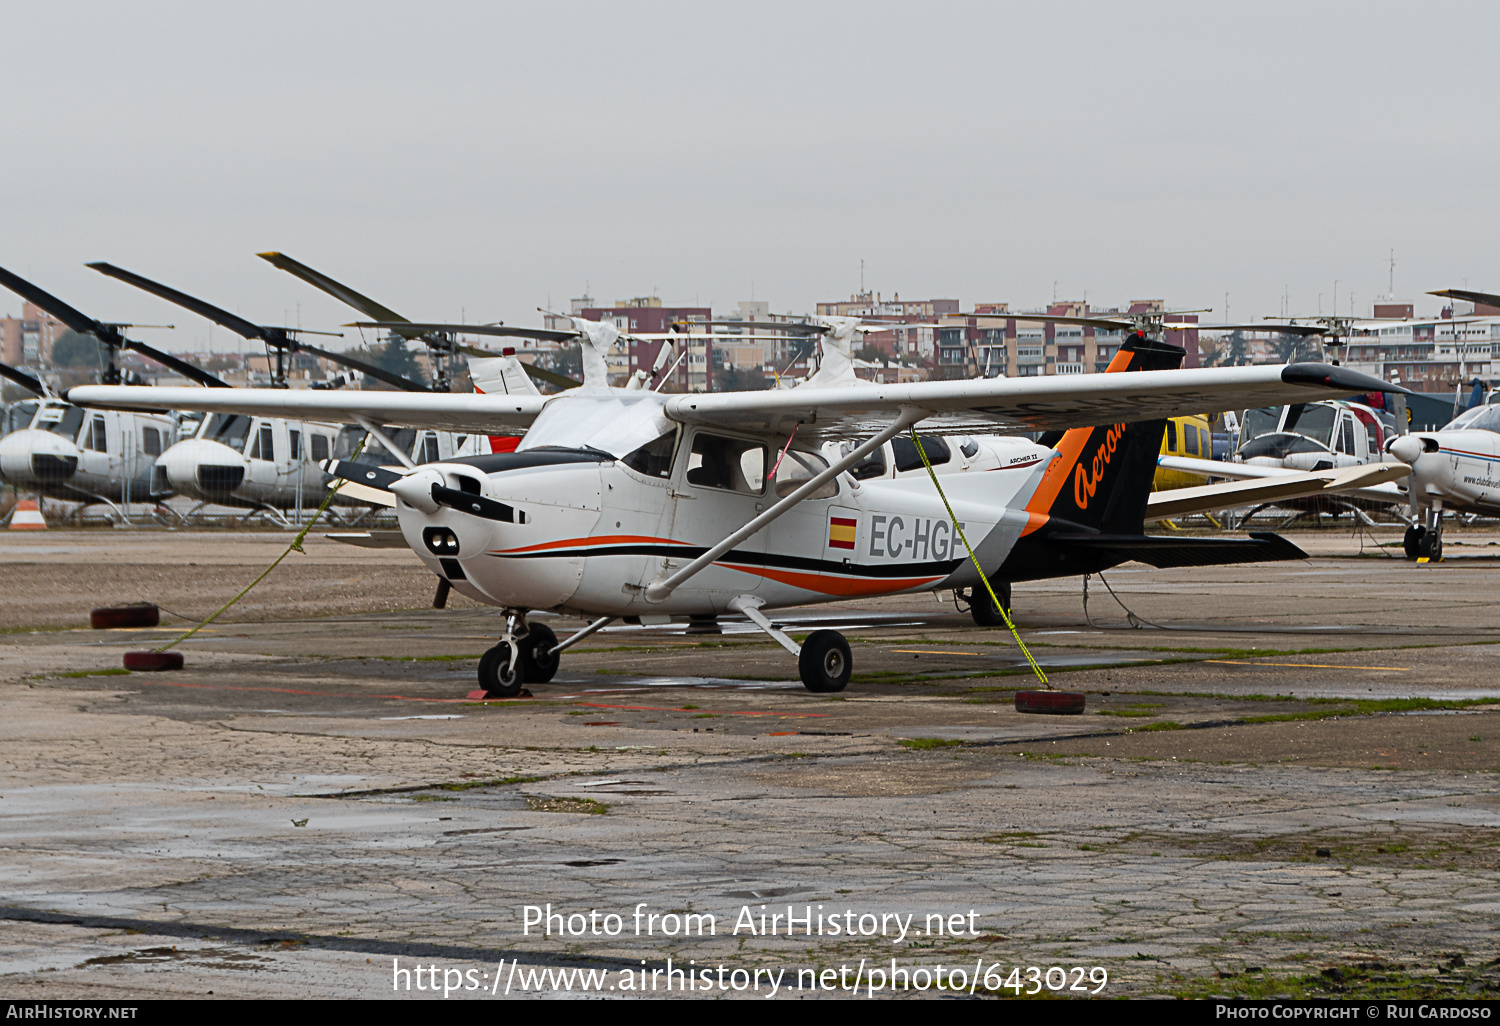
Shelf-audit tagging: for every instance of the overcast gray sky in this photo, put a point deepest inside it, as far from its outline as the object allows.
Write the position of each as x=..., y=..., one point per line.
x=477, y=159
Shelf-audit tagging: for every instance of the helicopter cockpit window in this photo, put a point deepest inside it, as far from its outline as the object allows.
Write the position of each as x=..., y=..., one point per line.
x=728, y=463
x=96, y=438
x=1346, y=444
x=1314, y=421
x=229, y=429
x=20, y=415
x=61, y=420
x=654, y=459
x=872, y=465
x=1260, y=422
x=907, y=457
x=797, y=468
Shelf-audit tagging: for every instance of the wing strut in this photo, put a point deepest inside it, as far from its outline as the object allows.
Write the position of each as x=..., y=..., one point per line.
x=661, y=589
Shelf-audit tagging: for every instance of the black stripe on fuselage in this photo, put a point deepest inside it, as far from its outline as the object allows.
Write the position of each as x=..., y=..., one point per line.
x=776, y=560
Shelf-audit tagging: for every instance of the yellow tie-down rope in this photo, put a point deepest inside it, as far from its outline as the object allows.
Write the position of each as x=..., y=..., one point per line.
x=1004, y=613
x=296, y=544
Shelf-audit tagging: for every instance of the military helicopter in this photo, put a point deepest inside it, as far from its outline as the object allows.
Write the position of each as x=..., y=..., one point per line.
x=104, y=457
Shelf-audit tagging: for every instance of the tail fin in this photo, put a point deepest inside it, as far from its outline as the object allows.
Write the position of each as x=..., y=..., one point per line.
x=1102, y=476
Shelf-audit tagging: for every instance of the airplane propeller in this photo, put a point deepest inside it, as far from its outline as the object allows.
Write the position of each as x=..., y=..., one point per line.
x=111, y=335
x=283, y=340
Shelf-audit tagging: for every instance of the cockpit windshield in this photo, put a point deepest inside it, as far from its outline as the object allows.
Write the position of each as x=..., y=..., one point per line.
x=374, y=453
x=1480, y=418
x=20, y=415
x=229, y=429
x=1260, y=422
x=617, y=423
x=1313, y=420
x=60, y=420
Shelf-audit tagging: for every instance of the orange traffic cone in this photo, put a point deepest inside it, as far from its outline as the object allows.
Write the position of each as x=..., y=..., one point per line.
x=27, y=517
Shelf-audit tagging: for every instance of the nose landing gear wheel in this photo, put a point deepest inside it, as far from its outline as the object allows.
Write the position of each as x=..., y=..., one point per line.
x=983, y=609
x=825, y=662
x=538, y=665
x=496, y=675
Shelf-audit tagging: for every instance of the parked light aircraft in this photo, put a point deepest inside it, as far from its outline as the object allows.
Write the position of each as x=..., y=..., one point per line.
x=628, y=502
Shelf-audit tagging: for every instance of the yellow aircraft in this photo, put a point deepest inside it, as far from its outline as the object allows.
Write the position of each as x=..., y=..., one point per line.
x=1185, y=436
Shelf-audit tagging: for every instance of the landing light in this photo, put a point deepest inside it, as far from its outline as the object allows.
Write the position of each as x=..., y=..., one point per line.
x=441, y=541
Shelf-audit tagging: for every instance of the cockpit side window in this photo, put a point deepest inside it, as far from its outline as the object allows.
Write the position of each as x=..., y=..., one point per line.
x=907, y=457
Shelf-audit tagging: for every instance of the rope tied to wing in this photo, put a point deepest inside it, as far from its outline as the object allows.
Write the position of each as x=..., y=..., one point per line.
x=957, y=527
x=296, y=544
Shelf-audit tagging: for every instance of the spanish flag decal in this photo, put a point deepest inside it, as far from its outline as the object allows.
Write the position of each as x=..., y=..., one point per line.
x=841, y=532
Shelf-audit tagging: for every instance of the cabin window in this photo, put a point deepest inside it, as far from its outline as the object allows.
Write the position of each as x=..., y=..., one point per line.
x=264, y=446
x=151, y=441
x=319, y=448
x=1205, y=444
x=1348, y=447
x=1190, y=440
x=294, y=443
x=797, y=468
x=728, y=463
x=654, y=459
x=968, y=447
x=96, y=435
x=429, y=449
x=1171, y=443
x=907, y=457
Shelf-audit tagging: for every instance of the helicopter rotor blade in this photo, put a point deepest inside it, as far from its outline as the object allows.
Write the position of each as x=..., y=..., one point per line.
x=343, y=293
x=182, y=367
x=23, y=379
x=424, y=327
x=378, y=373
x=78, y=321
x=222, y=317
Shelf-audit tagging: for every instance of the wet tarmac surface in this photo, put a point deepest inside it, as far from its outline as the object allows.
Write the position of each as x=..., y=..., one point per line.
x=315, y=794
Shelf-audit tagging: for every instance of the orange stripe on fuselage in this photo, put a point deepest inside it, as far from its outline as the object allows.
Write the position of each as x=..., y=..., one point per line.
x=599, y=539
x=825, y=585
x=1060, y=471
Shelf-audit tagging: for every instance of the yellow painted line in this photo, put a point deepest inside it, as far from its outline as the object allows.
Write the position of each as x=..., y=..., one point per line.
x=927, y=651
x=1311, y=666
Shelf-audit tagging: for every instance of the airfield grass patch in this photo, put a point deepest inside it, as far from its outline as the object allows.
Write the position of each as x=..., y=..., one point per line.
x=1427, y=847
x=113, y=671
x=584, y=806
x=920, y=743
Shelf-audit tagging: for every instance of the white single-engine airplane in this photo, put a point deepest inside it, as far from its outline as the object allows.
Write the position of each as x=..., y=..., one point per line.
x=632, y=502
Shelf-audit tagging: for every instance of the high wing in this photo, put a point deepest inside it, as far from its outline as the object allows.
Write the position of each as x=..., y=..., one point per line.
x=1023, y=404
x=988, y=405
x=442, y=411
x=1179, y=502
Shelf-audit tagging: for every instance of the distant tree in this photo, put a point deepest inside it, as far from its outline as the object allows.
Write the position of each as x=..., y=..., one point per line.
x=1236, y=350
x=566, y=360
x=220, y=363
x=1290, y=348
x=872, y=353
x=740, y=379
x=74, y=350
x=393, y=355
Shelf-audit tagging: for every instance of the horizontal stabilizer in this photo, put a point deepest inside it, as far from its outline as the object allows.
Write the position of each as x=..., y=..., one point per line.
x=1163, y=552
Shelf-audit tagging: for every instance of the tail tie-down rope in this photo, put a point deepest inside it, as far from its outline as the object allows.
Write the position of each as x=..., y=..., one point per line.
x=296, y=544
x=1004, y=613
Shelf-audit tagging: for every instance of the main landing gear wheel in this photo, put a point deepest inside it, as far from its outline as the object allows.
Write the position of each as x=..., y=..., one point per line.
x=1411, y=541
x=1431, y=546
x=538, y=661
x=983, y=608
x=825, y=662
x=496, y=675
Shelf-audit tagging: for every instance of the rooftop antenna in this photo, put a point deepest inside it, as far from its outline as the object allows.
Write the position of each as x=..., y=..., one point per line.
x=1054, y=290
x=1391, y=285
x=1226, y=308
x=861, y=274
